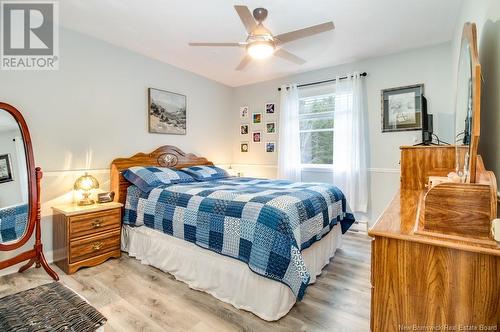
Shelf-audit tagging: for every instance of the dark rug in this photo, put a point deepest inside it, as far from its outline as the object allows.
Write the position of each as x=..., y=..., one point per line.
x=50, y=307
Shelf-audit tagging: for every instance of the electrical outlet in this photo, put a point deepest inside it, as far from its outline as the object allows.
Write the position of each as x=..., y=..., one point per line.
x=495, y=229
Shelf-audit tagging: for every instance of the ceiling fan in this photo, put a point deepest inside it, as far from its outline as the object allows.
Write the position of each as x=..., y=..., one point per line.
x=261, y=43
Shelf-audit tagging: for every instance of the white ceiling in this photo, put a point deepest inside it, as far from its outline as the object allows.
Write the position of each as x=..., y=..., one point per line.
x=161, y=29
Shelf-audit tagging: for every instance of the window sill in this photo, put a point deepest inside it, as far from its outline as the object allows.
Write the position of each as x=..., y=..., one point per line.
x=317, y=167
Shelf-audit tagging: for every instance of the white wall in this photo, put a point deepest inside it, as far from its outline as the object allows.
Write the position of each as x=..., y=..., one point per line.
x=486, y=15
x=94, y=109
x=10, y=192
x=430, y=66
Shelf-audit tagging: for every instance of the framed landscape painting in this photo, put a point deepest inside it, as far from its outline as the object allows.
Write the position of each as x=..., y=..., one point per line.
x=166, y=112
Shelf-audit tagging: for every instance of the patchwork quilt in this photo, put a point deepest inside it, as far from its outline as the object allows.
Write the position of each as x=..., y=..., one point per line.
x=13, y=222
x=264, y=223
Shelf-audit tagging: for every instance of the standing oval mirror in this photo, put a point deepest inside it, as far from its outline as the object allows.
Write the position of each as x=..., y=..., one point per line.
x=467, y=108
x=14, y=187
x=19, y=193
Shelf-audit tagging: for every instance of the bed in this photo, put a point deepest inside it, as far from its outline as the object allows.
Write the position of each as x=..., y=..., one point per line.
x=254, y=243
x=13, y=220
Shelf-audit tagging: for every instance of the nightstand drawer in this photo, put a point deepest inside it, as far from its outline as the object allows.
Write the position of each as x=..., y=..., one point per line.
x=92, y=223
x=94, y=246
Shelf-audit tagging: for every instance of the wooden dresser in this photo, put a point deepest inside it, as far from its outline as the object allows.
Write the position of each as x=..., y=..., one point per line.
x=425, y=275
x=86, y=236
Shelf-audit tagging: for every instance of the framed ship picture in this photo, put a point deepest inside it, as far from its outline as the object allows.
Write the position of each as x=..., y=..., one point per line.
x=5, y=168
x=402, y=108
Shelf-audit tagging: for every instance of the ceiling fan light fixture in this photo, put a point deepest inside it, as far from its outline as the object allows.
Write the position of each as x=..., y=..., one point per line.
x=261, y=43
x=260, y=49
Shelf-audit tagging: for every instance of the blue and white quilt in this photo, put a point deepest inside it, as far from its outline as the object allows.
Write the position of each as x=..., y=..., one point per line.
x=13, y=222
x=264, y=223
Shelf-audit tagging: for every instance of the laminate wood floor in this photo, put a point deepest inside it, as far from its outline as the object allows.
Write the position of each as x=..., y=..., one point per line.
x=135, y=297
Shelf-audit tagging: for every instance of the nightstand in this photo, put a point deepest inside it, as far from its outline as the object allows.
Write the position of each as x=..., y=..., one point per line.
x=86, y=236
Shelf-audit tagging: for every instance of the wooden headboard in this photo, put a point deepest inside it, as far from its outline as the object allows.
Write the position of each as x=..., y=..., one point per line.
x=164, y=156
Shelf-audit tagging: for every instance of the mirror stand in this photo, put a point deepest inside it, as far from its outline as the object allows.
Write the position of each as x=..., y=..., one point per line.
x=34, y=255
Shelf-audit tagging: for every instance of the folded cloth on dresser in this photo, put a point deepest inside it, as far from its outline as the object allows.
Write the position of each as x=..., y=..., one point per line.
x=264, y=223
x=13, y=221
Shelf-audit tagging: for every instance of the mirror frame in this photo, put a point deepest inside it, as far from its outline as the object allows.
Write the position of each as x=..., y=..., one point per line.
x=32, y=182
x=469, y=36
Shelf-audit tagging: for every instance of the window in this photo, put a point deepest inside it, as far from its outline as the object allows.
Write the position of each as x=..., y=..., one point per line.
x=316, y=129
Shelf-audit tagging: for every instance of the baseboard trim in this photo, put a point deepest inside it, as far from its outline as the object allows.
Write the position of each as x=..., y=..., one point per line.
x=360, y=225
x=384, y=170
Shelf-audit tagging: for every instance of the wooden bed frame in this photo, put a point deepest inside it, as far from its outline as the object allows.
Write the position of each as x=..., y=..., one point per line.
x=164, y=156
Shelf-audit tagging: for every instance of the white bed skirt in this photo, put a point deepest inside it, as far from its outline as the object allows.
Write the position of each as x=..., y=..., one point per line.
x=225, y=278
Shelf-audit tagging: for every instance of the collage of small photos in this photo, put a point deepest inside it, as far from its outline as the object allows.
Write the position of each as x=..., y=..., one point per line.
x=257, y=128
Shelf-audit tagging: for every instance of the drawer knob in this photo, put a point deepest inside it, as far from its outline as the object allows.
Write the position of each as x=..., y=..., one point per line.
x=97, y=245
x=97, y=223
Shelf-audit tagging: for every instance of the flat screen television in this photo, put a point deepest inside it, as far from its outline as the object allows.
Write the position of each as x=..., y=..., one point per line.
x=427, y=124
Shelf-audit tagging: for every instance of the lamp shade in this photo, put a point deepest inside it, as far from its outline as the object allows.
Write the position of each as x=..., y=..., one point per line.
x=86, y=182
x=260, y=49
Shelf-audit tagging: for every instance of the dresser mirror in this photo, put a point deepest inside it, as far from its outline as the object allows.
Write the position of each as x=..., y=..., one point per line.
x=14, y=207
x=19, y=192
x=467, y=107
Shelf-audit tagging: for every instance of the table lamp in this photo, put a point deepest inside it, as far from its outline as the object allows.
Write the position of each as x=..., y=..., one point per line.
x=86, y=183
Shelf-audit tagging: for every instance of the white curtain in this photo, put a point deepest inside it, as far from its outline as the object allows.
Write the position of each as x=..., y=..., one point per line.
x=350, y=159
x=22, y=168
x=289, y=136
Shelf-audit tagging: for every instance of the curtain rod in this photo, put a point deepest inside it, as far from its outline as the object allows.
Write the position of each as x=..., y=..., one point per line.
x=363, y=74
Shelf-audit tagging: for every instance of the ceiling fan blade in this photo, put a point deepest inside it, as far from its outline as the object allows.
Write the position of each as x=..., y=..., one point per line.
x=289, y=56
x=244, y=62
x=214, y=44
x=306, y=32
x=246, y=17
